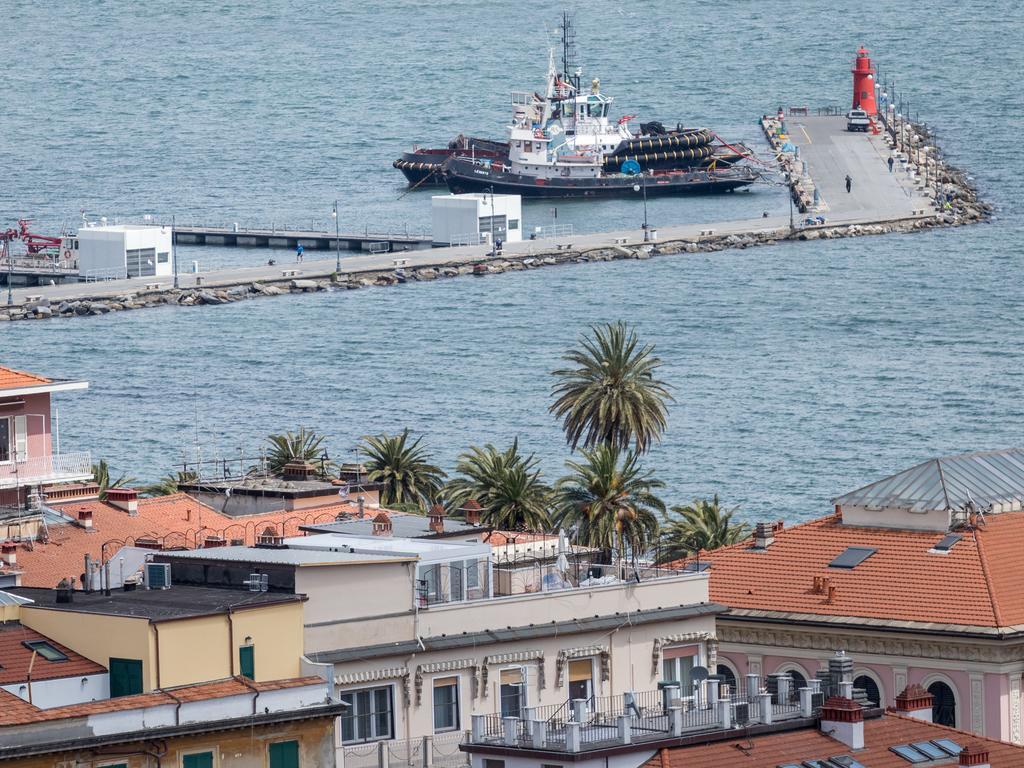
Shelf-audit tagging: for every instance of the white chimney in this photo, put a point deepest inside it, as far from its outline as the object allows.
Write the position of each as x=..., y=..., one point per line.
x=914, y=701
x=843, y=720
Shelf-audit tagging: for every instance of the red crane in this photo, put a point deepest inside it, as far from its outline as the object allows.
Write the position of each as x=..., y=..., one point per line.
x=35, y=244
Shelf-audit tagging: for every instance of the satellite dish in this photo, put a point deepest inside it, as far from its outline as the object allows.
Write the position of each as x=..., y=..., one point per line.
x=630, y=168
x=699, y=674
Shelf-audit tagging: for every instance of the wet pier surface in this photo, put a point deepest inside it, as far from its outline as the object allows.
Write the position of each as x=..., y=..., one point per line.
x=878, y=196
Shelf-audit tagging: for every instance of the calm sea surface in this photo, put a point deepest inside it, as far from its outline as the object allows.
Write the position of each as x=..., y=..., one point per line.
x=800, y=371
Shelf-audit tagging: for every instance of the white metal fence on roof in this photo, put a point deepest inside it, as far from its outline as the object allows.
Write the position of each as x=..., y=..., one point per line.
x=46, y=469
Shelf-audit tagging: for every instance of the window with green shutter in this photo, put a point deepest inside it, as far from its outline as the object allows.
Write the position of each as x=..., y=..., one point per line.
x=247, y=662
x=284, y=754
x=197, y=760
x=125, y=677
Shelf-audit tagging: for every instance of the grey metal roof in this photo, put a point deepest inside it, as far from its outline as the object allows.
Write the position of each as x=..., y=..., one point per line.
x=993, y=480
x=402, y=527
x=6, y=598
x=510, y=634
x=282, y=556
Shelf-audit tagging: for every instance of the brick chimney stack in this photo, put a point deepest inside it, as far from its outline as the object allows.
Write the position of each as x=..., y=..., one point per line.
x=843, y=720
x=974, y=755
x=437, y=519
x=10, y=552
x=382, y=524
x=126, y=499
x=85, y=518
x=914, y=701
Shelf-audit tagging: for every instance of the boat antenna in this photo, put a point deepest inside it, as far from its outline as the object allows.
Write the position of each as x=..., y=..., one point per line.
x=569, y=51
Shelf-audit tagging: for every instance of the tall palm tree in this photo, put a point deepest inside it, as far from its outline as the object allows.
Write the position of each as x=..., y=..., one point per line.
x=101, y=474
x=169, y=483
x=701, y=524
x=403, y=467
x=610, y=394
x=506, y=484
x=610, y=500
x=304, y=445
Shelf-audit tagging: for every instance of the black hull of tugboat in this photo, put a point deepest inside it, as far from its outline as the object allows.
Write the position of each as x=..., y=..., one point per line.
x=422, y=167
x=475, y=179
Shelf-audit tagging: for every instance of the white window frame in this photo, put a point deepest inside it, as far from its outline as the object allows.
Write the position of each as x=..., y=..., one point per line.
x=593, y=675
x=524, y=689
x=372, y=689
x=458, y=703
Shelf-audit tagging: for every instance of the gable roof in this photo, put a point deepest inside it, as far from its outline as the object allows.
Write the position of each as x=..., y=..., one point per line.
x=177, y=520
x=792, y=747
x=993, y=480
x=978, y=583
x=15, y=658
x=13, y=379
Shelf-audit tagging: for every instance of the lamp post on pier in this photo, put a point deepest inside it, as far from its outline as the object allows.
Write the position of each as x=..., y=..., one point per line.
x=337, y=239
x=174, y=253
x=636, y=188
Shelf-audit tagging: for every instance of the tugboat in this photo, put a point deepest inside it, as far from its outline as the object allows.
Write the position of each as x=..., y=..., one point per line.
x=563, y=144
x=423, y=166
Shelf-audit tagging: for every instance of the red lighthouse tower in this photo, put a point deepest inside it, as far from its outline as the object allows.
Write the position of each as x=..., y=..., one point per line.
x=864, y=83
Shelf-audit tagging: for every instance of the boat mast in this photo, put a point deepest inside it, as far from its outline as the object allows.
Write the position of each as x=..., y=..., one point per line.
x=569, y=66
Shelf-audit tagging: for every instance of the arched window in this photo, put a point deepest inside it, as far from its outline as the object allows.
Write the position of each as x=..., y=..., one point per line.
x=728, y=675
x=944, y=704
x=870, y=687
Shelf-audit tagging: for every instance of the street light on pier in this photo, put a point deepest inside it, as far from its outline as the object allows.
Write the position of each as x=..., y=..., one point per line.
x=636, y=188
x=337, y=239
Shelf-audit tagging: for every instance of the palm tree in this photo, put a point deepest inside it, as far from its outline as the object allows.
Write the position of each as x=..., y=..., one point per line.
x=611, y=396
x=168, y=484
x=610, y=500
x=506, y=484
x=701, y=524
x=409, y=479
x=101, y=474
x=302, y=446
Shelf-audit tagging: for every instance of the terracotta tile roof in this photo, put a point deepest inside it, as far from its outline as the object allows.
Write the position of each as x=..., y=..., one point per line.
x=215, y=689
x=15, y=658
x=978, y=582
x=12, y=379
x=177, y=521
x=771, y=750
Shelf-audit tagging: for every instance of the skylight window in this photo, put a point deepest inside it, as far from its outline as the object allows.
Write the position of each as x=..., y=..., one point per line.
x=927, y=751
x=845, y=761
x=947, y=542
x=910, y=754
x=949, y=745
x=45, y=650
x=852, y=557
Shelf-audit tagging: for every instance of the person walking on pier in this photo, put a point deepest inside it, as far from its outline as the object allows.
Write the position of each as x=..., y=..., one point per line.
x=299, y=249
x=849, y=183
x=890, y=164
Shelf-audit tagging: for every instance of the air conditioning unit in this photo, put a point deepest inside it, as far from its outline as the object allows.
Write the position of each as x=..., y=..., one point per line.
x=741, y=713
x=258, y=582
x=158, y=575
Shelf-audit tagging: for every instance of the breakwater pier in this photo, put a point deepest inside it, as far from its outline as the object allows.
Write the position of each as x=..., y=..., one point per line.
x=312, y=239
x=815, y=154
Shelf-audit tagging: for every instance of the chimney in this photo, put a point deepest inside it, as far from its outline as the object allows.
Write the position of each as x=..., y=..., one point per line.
x=471, y=510
x=843, y=720
x=270, y=539
x=9, y=550
x=832, y=594
x=437, y=519
x=914, y=701
x=764, y=535
x=126, y=499
x=298, y=470
x=211, y=542
x=840, y=668
x=975, y=755
x=839, y=513
x=85, y=518
x=148, y=542
x=382, y=524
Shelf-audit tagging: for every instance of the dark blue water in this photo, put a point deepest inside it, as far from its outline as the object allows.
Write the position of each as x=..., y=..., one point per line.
x=800, y=371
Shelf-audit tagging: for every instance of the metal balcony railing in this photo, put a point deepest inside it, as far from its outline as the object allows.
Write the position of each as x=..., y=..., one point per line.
x=46, y=469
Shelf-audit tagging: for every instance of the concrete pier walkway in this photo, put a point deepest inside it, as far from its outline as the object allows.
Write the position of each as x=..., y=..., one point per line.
x=877, y=197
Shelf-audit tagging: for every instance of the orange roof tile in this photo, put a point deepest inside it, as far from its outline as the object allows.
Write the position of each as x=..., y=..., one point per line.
x=12, y=379
x=215, y=689
x=15, y=658
x=177, y=521
x=771, y=750
x=978, y=582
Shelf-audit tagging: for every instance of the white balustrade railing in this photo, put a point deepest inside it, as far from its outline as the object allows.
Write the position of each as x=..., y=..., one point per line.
x=46, y=469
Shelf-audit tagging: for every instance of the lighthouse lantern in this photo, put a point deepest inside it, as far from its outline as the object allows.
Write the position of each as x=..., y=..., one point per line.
x=864, y=83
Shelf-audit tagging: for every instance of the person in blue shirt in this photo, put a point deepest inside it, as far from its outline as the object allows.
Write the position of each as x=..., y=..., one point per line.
x=298, y=252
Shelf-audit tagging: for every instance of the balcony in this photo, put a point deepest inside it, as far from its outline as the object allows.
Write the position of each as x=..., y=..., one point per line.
x=64, y=467
x=598, y=723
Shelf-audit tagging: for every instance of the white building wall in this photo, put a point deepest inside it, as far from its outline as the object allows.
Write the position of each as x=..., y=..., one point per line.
x=65, y=690
x=456, y=216
x=627, y=760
